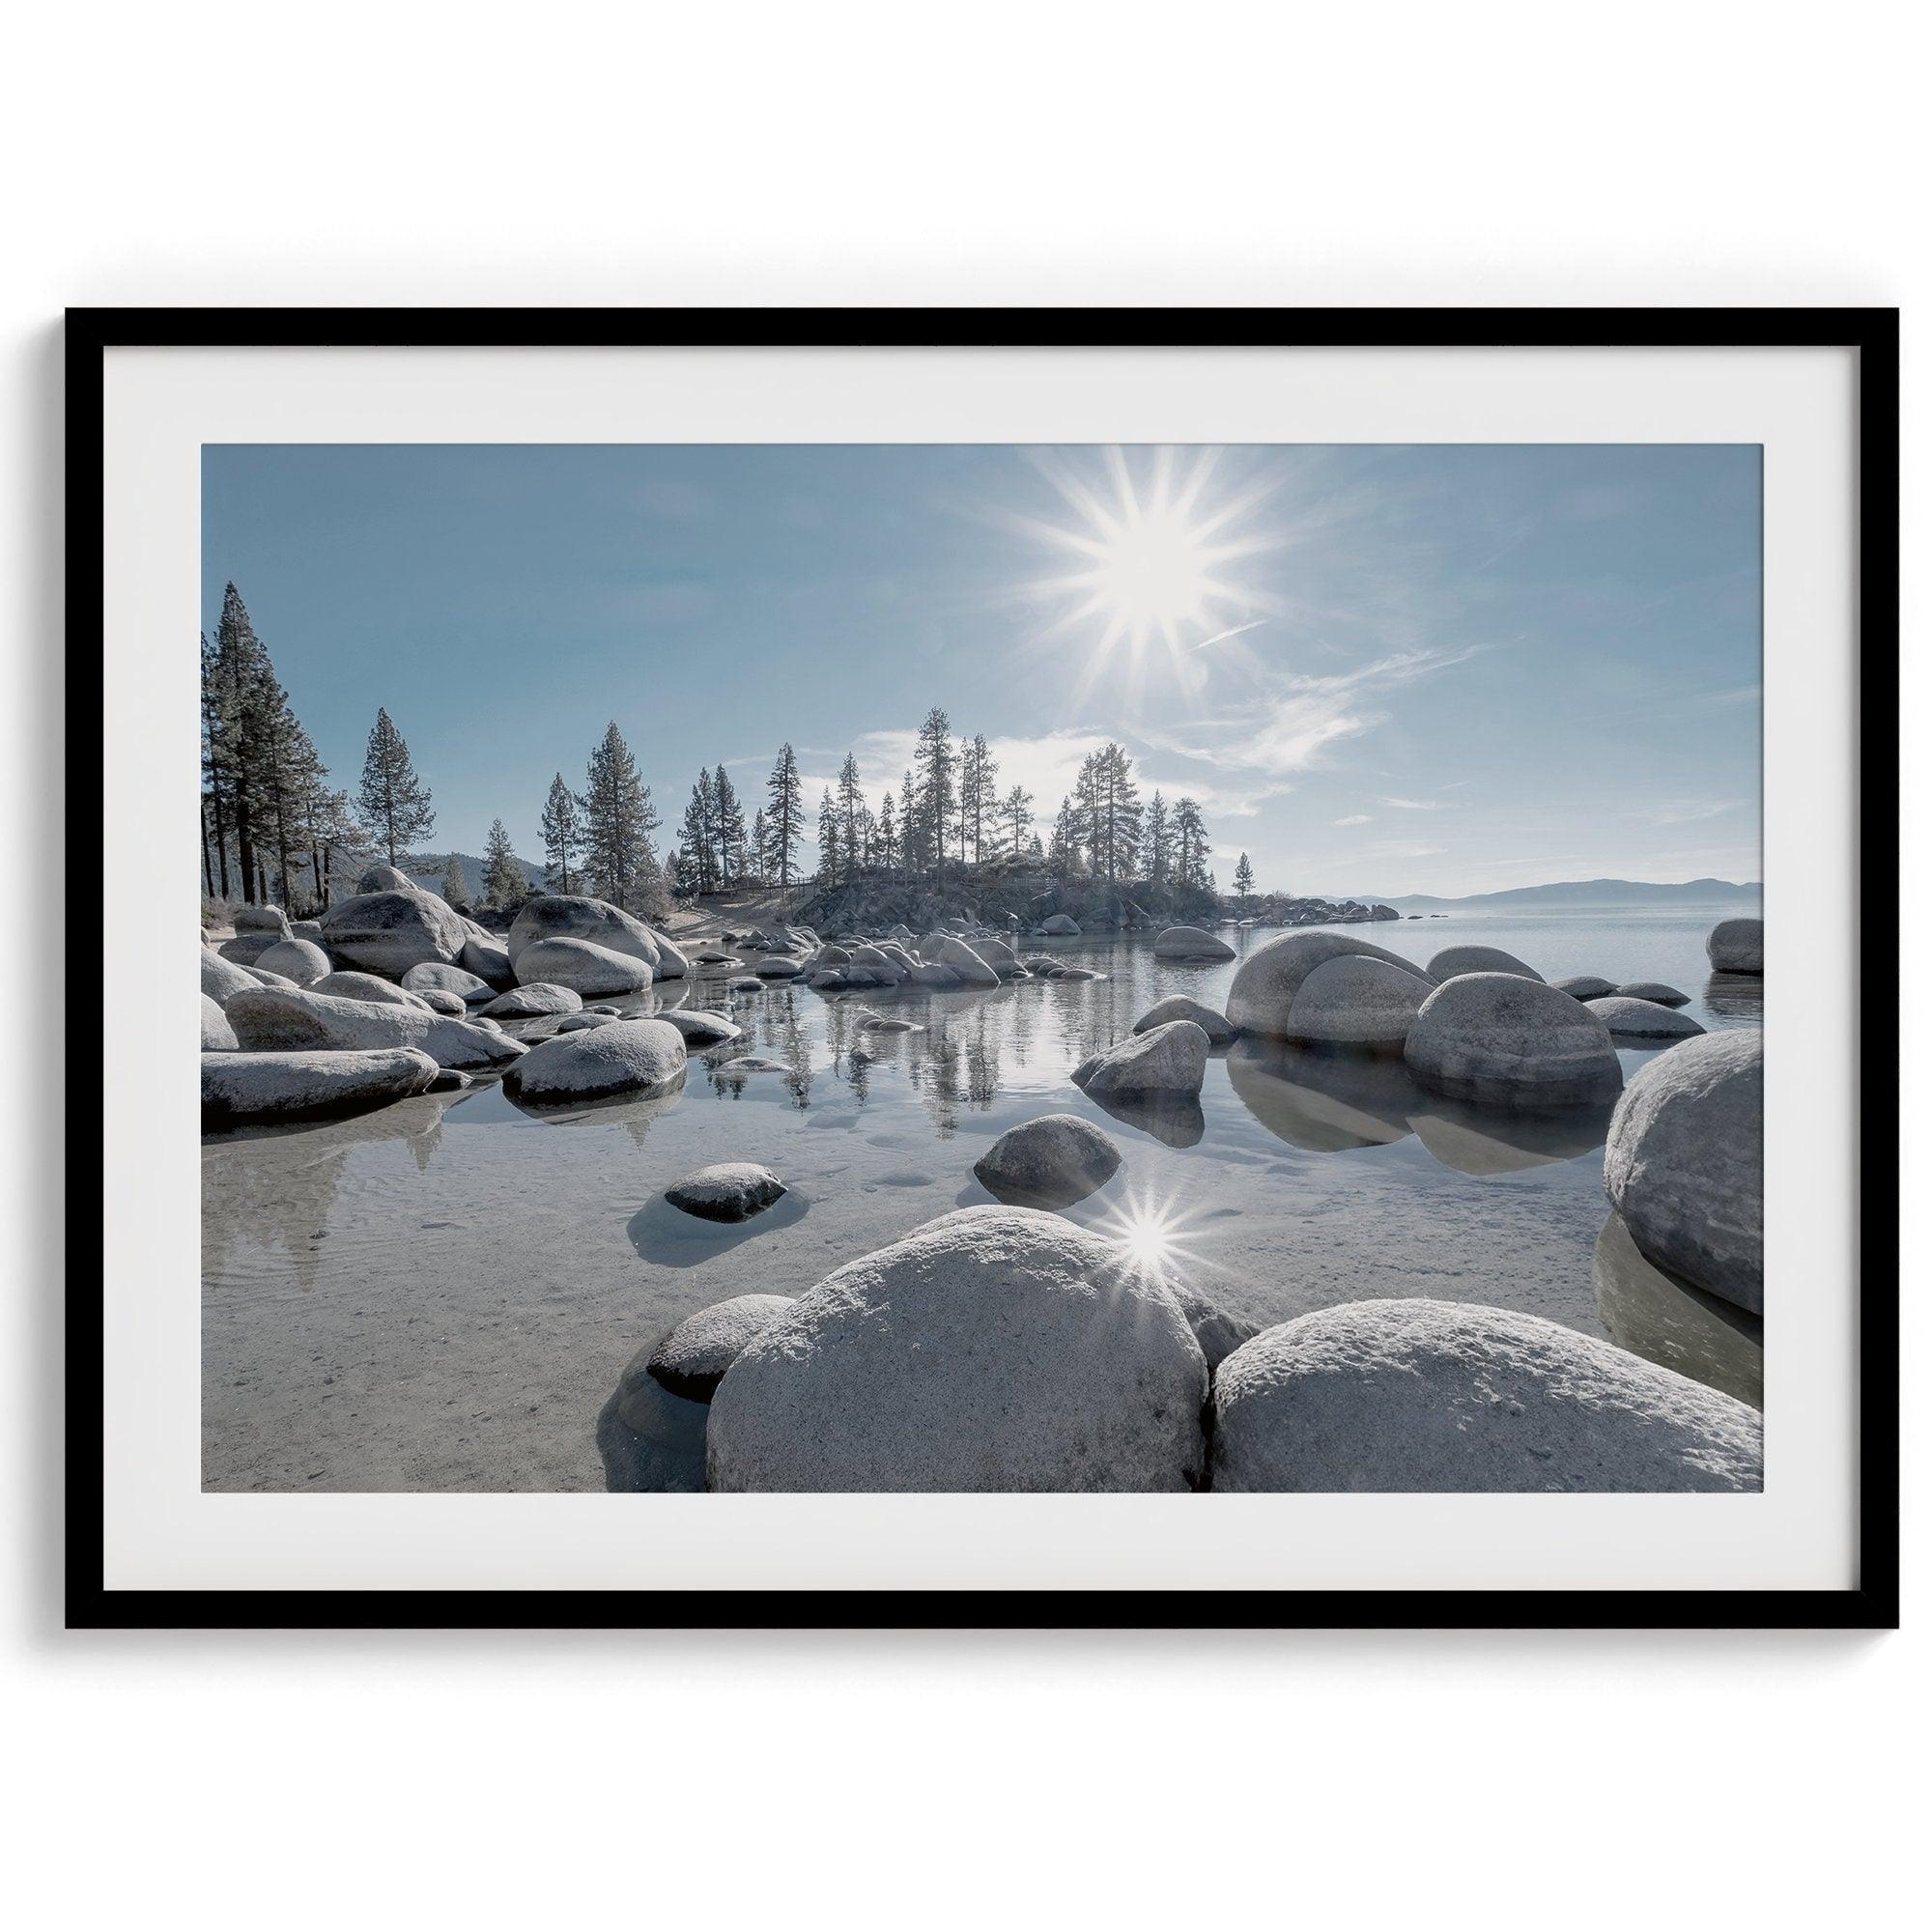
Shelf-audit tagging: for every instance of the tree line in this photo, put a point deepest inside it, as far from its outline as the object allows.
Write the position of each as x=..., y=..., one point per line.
x=273, y=829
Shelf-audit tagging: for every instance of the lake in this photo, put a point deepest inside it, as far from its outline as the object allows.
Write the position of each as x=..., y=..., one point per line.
x=451, y=1294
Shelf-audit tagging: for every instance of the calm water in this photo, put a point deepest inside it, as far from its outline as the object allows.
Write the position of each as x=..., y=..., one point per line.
x=452, y=1294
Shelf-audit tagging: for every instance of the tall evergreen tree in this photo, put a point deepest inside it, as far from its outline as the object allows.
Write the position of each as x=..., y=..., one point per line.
x=505, y=884
x=1244, y=878
x=700, y=835
x=785, y=818
x=562, y=834
x=730, y=827
x=912, y=854
x=1064, y=853
x=760, y=839
x=831, y=841
x=1191, y=845
x=935, y=760
x=243, y=703
x=1159, y=855
x=1016, y=819
x=1116, y=835
x=887, y=845
x=455, y=887
x=979, y=802
x=216, y=790
x=851, y=817
x=394, y=804
x=619, y=861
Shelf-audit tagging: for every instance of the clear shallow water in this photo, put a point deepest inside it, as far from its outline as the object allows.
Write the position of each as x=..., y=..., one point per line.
x=453, y=1293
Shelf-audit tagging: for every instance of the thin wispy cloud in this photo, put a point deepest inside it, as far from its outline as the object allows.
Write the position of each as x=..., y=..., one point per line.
x=1687, y=810
x=1356, y=818
x=1415, y=804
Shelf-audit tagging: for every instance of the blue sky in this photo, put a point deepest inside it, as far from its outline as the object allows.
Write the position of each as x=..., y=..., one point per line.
x=1380, y=670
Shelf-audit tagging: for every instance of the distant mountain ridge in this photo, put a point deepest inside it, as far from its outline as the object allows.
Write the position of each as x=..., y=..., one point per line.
x=1592, y=892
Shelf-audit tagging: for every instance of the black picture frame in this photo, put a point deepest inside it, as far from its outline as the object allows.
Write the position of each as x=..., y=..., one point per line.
x=1872, y=332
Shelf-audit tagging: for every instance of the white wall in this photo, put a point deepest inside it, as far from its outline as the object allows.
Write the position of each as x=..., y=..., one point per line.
x=1123, y=154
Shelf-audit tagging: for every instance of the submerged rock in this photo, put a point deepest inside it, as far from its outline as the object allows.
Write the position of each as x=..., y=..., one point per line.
x=241, y=1087
x=216, y=1035
x=1736, y=946
x=275, y=1020
x=1453, y=961
x=996, y=1348
x=1178, y=1007
x=532, y=1001
x=1190, y=942
x=1509, y=1042
x=1326, y=1103
x=692, y=1359
x=299, y=960
x=1262, y=997
x=631, y=1057
x=728, y=1190
x=589, y=970
x=1439, y=1396
x=1167, y=1061
x=1684, y=1164
x=1051, y=1163
x=390, y=931
x=1631, y=1017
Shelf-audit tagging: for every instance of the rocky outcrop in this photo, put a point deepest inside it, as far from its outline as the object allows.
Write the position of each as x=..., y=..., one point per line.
x=1512, y=1042
x=997, y=1348
x=1439, y=1396
x=699, y=1027
x=960, y=959
x=1050, y=1162
x=570, y=916
x=1684, y=1164
x=239, y=1088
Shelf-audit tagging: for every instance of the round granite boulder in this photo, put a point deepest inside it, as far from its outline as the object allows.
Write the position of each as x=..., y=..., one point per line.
x=1051, y=1163
x=1178, y=1007
x=1632, y=1018
x=589, y=970
x=486, y=956
x=1358, y=1002
x=996, y=1348
x=570, y=916
x=1440, y=1396
x=1736, y=946
x=1060, y=926
x=529, y=1002
x=216, y=1035
x=1266, y=982
x=632, y=1057
x=298, y=959
x=1653, y=990
x=262, y=918
x=275, y=1019
x=390, y=931
x=727, y=1190
x=366, y=987
x=439, y=1001
x=246, y=948
x=386, y=879
x=242, y=1087
x=223, y=978
x=1684, y=1164
x=1190, y=942
x=471, y=988
x=1454, y=961
x=699, y=1027
x=1585, y=986
x=960, y=958
x=1509, y=1042
x=1164, y=1062
x=777, y=966
x=692, y=1359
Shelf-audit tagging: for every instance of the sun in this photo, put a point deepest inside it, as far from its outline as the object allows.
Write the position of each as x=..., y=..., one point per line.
x=1152, y=553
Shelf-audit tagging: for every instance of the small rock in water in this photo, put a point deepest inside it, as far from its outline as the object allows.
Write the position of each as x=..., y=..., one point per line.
x=1191, y=942
x=1437, y=1397
x=1633, y=1018
x=1051, y=1163
x=632, y=1057
x=1455, y=960
x=1060, y=924
x=748, y=1064
x=449, y=1080
x=1655, y=991
x=1170, y=1060
x=1736, y=946
x=730, y=1190
x=1178, y=1007
x=1582, y=986
x=699, y=1027
x=692, y=1359
x=526, y=1003
x=887, y=1023
x=778, y=967
x=745, y=984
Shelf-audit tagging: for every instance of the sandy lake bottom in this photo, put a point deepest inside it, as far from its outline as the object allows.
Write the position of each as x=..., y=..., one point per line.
x=446, y=1295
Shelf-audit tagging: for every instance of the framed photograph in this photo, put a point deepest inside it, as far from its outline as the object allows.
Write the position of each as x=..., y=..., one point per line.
x=1119, y=968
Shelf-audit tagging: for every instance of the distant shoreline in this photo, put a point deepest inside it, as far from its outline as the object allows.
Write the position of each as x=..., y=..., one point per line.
x=1579, y=893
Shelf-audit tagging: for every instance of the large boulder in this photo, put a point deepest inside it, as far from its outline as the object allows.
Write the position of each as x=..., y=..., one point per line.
x=1178, y=1007
x=298, y=959
x=1655, y=991
x=1642, y=1019
x=634, y=1057
x=1439, y=1396
x=386, y=879
x=1166, y=1063
x=592, y=971
x=1061, y=925
x=700, y=1027
x=930, y=973
x=1190, y=942
x=486, y=955
x=1585, y=986
x=727, y=1190
x=1262, y=997
x=262, y=918
x=366, y=987
x=533, y=1001
x=999, y=957
x=570, y=916
x=777, y=966
x=1051, y=1163
x=1736, y=946
x=960, y=958
x=881, y=965
x=433, y=975
x=221, y=978
x=1509, y=1042
x=692, y=1359
x=246, y=948
x=672, y=962
x=270, y=1020
x=1684, y=1164
x=242, y=1087
x=216, y=1035
x=439, y=1001
x=390, y=931
x=1357, y=1002
x=1455, y=960
x=996, y=1348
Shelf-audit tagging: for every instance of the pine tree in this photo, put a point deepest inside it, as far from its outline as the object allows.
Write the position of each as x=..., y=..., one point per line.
x=699, y=833
x=505, y=884
x=1158, y=854
x=619, y=861
x=935, y=760
x=785, y=817
x=831, y=851
x=760, y=839
x=1191, y=845
x=851, y=817
x=1063, y=854
x=912, y=857
x=243, y=724
x=393, y=802
x=979, y=800
x=887, y=845
x=1244, y=878
x=730, y=828
x=455, y=888
x=562, y=834
x=1116, y=832
x=216, y=793
x=1016, y=819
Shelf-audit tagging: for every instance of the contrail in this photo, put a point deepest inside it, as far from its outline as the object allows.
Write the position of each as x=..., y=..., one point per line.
x=1221, y=637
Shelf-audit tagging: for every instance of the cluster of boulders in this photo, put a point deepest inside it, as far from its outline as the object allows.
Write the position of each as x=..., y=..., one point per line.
x=394, y=989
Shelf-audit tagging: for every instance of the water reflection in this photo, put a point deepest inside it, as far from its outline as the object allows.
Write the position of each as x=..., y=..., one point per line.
x=1667, y=1321
x=632, y=1112
x=1326, y=1104
x=1735, y=996
x=1490, y=1140
x=650, y=1440
x=1177, y=1123
x=667, y=1235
